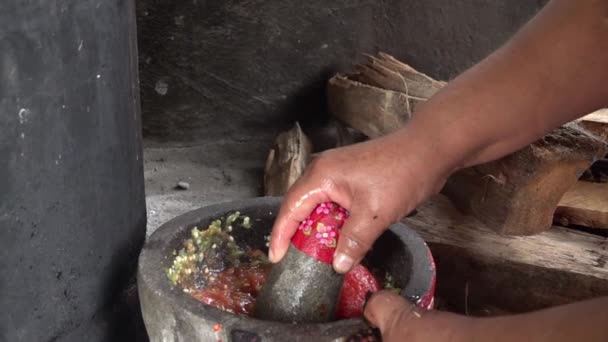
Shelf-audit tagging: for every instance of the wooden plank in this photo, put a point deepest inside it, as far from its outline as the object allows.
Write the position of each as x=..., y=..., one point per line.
x=478, y=268
x=585, y=204
x=597, y=116
x=596, y=122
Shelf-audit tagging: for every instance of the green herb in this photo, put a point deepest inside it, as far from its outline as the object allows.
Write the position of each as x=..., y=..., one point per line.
x=195, y=248
x=246, y=222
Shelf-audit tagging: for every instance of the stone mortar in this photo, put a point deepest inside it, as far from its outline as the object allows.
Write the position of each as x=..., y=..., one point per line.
x=172, y=315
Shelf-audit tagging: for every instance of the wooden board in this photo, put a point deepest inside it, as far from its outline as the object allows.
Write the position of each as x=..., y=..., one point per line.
x=596, y=122
x=585, y=204
x=478, y=268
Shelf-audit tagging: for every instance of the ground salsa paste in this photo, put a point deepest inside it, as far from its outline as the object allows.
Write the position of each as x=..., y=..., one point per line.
x=212, y=268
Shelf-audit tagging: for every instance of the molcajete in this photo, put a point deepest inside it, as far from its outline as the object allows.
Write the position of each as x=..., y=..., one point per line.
x=170, y=314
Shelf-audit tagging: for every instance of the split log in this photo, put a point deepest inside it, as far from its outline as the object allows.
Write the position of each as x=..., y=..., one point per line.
x=286, y=161
x=477, y=268
x=515, y=195
x=380, y=96
x=585, y=204
x=518, y=194
x=371, y=110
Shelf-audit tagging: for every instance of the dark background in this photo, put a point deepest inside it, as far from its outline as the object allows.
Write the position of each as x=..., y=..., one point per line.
x=243, y=70
x=72, y=209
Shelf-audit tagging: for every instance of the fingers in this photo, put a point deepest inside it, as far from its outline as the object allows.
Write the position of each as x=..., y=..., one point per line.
x=298, y=203
x=357, y=236
x=390, y=313
x=301, y=199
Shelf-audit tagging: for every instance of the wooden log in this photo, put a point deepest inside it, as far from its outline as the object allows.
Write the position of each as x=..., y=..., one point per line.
x=518, y=194
x=286, y=161
x=514, y=195
x=596, y=123
x=380, y=96
x=371, y=110
x=479, y=269
x=386, y=72
x=585, y=204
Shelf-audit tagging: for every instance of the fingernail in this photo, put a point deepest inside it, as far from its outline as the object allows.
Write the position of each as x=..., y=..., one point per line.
x=271, y=256
x=342, y=263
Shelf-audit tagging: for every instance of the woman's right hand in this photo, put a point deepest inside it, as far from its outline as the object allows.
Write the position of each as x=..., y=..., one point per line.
x=378, y=181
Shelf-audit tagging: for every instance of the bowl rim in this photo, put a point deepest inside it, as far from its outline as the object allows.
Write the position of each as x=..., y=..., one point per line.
x=157, y=249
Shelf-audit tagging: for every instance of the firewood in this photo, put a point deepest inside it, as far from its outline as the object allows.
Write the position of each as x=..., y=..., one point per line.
x=478, y=268
x=585, y=204
x=518, y=194
x=401, y=76
x=380, y=96
x=371, y=110
x=514, y=195
x=286, y=161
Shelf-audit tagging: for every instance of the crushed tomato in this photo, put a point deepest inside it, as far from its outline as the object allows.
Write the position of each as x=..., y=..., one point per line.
x=236, y=288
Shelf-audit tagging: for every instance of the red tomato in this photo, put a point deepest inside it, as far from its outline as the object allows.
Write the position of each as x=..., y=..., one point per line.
x=357, y=283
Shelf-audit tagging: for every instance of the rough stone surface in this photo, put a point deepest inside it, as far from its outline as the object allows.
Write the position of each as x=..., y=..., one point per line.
x=72, y=209
x=241, y=69
x=291, y=298
x=172, y=315
x=216, y=172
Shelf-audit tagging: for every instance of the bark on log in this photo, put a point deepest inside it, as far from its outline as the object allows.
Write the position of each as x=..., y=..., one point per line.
x=514, y=195
x=380, y=96
x=518, y=194
x=286, y=161
x=479, y=269
x=371, y=110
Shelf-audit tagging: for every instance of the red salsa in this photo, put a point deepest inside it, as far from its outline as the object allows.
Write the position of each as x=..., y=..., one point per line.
x=235, y=289
x=216, y=271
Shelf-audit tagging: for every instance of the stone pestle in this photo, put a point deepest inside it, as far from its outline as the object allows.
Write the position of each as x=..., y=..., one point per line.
x=303, y=287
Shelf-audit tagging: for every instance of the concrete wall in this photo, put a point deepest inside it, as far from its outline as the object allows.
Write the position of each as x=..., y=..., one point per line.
x=72, y=202
x=243, y=69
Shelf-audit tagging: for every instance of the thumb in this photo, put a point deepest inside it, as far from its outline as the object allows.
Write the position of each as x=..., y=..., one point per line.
x=356, y=237
x=392, y=314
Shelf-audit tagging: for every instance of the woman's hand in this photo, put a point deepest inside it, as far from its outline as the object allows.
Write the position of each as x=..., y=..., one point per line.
x=378, y=181
x=399, y=320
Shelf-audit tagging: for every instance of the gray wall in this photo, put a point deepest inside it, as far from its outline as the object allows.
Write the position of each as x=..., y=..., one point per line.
x=242, y=70
x=72, y=203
